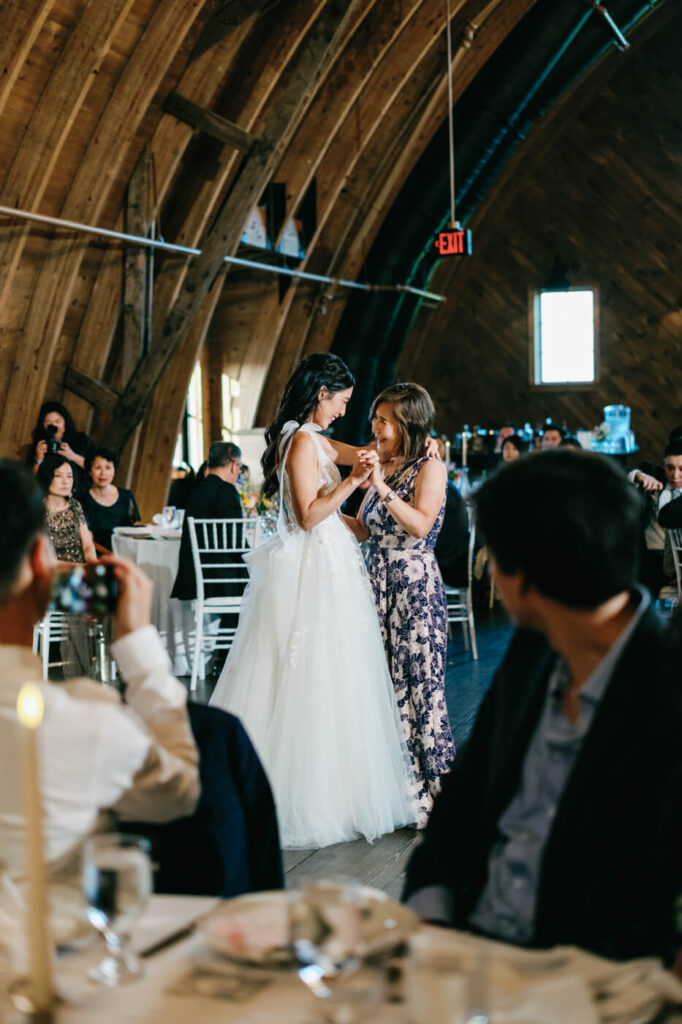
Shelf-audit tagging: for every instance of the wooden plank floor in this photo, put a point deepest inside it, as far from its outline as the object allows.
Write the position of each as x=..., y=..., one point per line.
x=383, y=863
x=380, y=864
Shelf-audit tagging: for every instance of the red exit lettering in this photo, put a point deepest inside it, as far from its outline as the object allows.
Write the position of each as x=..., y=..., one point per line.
x=453, y=243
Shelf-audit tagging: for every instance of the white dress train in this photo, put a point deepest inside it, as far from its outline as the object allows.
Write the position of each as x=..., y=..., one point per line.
x=307, y=675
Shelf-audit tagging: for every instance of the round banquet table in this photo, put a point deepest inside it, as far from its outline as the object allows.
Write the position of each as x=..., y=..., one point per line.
x=158, y=556
x=184, y=980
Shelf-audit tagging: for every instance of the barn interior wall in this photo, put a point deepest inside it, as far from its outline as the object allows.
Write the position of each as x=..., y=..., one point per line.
x=604, y=201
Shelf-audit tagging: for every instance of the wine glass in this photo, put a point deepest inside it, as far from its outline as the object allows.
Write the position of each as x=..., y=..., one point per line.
x=117, y=882
x=169, y=513
x=327, y=928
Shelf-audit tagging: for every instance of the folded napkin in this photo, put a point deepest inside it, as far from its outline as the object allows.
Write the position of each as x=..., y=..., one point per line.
x=564, y=985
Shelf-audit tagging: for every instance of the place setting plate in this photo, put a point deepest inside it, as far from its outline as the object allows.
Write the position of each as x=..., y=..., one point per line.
x=254, y=929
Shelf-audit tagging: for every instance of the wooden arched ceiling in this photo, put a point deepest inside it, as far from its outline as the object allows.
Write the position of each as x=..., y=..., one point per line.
x=342, y=95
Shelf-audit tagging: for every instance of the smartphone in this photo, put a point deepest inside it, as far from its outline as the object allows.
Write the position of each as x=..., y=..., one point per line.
x=89, y=589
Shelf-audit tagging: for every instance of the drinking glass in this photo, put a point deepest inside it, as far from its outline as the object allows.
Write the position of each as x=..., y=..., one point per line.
x=327, y=929
x=445, y=985
x=168, y=512
x=117, y=882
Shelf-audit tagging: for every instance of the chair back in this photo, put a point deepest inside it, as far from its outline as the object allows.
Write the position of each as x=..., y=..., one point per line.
x=217, y=549
x=676, y=546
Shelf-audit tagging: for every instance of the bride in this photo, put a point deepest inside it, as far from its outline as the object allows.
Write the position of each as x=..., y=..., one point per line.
x=307, y=672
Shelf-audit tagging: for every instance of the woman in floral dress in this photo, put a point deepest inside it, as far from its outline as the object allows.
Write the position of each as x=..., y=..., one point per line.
x=403, y=513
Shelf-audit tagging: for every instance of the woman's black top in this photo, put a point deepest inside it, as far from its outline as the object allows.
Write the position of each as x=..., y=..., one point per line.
x=103, y=519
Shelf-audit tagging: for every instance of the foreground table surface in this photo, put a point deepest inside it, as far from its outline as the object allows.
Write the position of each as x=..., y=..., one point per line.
x=179, y=977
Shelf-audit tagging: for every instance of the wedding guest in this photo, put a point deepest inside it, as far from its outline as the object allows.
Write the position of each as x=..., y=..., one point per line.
x=183, y=480
x=512, y=447
x=560, y=822
x=214, y=497
x=402, y=515
x=552, y=436
x=65, y=521
x=55, y=433
x=105, y=505
x=98, y=758
x=506, y=431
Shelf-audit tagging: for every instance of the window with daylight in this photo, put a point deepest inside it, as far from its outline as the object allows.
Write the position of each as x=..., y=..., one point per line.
x=564, y=336
x=190, y=443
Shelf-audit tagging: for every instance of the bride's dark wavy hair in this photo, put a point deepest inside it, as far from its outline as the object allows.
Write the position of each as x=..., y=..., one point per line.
x=320, y=370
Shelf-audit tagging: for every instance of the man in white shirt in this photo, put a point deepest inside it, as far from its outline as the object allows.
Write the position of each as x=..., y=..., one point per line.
x=659, y=567
x=99, y=756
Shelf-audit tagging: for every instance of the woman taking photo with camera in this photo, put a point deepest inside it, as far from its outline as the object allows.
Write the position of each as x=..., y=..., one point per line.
x=55, y=433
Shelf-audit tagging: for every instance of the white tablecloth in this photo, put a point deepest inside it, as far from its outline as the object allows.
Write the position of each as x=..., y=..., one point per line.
x=281, y=998
x=158, y=557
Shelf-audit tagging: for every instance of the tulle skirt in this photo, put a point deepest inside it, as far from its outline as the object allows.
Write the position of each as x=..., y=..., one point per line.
x=307, y=676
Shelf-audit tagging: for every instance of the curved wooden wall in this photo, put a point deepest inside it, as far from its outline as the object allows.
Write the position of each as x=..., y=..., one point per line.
x=345, y=93
x=601, y=193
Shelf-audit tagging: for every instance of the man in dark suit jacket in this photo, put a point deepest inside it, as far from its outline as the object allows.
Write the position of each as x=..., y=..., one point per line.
x=560, y=822
x=215, y=497
x=452, y=542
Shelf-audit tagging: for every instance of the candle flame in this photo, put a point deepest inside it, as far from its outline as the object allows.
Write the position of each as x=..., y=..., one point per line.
x=30, y=706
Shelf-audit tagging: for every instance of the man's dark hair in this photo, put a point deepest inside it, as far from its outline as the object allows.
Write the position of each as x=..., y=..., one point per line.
x=673, y=447
x=221, y=453
x=22, y=520
x=554, y=426
x=569, y=521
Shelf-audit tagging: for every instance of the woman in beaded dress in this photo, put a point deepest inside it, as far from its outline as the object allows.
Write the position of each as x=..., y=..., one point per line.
x=403, y=512
x=66, y=526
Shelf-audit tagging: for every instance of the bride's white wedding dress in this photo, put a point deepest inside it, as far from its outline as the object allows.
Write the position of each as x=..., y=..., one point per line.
x=307, y=675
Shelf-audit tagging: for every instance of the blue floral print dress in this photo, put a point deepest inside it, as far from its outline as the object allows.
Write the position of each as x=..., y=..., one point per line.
x=410, y=599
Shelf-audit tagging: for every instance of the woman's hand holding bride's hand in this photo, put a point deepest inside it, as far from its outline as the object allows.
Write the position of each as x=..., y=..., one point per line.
x=363, y=465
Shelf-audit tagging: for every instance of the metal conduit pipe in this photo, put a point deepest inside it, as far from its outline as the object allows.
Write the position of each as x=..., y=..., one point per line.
x=184, y=250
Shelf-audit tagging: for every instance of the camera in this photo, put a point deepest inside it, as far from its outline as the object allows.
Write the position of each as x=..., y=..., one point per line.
x=53, y=444
x=89, y=589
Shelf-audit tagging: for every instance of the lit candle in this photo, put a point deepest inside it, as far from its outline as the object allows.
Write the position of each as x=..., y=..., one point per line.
x=447, y=456
x=30, y=714
x=464, y=447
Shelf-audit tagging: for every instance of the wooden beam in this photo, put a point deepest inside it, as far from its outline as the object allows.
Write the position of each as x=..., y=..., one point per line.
x=230, y=15
x=91, y=189
x=208, y=121
x=314, y=56
x=93, y=391
x=22, y=22
x=134, y=275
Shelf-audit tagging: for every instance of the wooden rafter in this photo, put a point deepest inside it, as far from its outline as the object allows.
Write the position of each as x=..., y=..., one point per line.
x=222, y=240
x=93, y=391
x=230, y=15
x=210, y=122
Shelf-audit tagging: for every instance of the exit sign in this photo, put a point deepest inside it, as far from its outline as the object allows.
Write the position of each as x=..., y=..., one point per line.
x=454, y=242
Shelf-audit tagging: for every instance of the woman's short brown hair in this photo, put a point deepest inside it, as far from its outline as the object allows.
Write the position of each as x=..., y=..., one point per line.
x=414, y=413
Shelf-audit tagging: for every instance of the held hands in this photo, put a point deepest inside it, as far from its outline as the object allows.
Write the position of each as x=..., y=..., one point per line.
x=364, y=464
